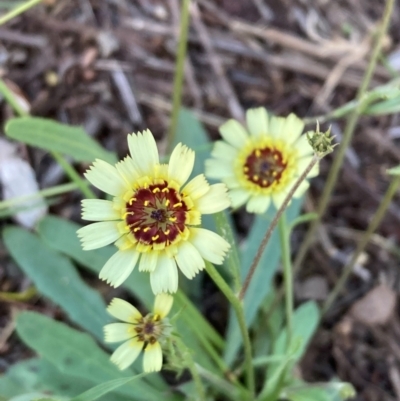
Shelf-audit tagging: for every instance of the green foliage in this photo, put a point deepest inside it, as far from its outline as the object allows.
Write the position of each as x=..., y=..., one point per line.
x=56, y=278
x=105, y=388
x=52, y=136
x=76, y=354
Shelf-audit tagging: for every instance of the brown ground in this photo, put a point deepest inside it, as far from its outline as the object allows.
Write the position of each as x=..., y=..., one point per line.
x=108, y=65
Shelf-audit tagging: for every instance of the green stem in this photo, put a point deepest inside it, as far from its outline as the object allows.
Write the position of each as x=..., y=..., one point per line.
x=238, y=308
x=190, y=364
x=19, y=296
x=18, y=10
x=378, y=216
x=44, y=193
x=224, y=228
x=74, y=176
x=179, y=72
x=347, y=136
x=287, y=277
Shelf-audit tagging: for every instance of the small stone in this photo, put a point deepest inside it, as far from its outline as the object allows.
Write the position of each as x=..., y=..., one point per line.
x=376, y=307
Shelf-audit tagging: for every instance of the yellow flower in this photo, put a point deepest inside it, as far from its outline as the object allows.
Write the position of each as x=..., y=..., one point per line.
x=139, y=332
x=260, y=166
x=152, y=215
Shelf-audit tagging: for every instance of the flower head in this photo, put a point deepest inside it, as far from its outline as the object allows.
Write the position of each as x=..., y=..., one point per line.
x=152, y=217
x=260, y=165
x=139, y=332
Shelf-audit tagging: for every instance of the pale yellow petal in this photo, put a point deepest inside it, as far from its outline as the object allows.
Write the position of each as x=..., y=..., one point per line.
x=215, y=200
x=234, y=133
x=117, y=332
x=181, y=164
x=152, y=360
x=165, y=276
x=257, y=121
x=106, y=177
x=144, y=152
x=123, y=310
x=210, y=245
x=127, y=353
x=148, y=261
x=292, y=128
x=127, y=170
x=97, y=235
x=258, y=204
x=163, y=304
x=196, y=187
x=224, y=151
x=189, y=260
x=119, y=267
x=275, y=126
x=99, y=210
x=238, y=197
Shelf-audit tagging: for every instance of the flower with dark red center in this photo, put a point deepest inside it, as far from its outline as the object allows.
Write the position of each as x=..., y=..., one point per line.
x=262, y=165
x=139, y=332
x=152, y=217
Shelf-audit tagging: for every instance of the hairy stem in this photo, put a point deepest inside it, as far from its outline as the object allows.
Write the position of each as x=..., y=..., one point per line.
x=272, y=226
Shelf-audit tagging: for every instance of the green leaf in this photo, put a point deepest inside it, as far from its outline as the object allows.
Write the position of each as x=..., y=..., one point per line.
x=35, y=397
x=303, y=218
x=390, y=106
x=307, y=394
x=105, y=388
x=330, y=391
x=40, y=375
x=305, y=322
x=262, y=279
x=56, y=278
x=76, y=354
x=55, y=137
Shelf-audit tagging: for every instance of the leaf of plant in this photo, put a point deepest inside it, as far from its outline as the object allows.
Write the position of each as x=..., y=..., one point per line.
x=40, y=375
x=261, y=282
x=389, y=106
x=105, y=388
x=308, y=394
x=56, y=278
x=56, y=137
x=305, y=322
x=76, y=354
x=60, y=234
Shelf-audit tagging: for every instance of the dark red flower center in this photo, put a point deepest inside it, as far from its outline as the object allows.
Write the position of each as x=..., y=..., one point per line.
x=149, y=328
x=156, y=214
x=264, y=166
